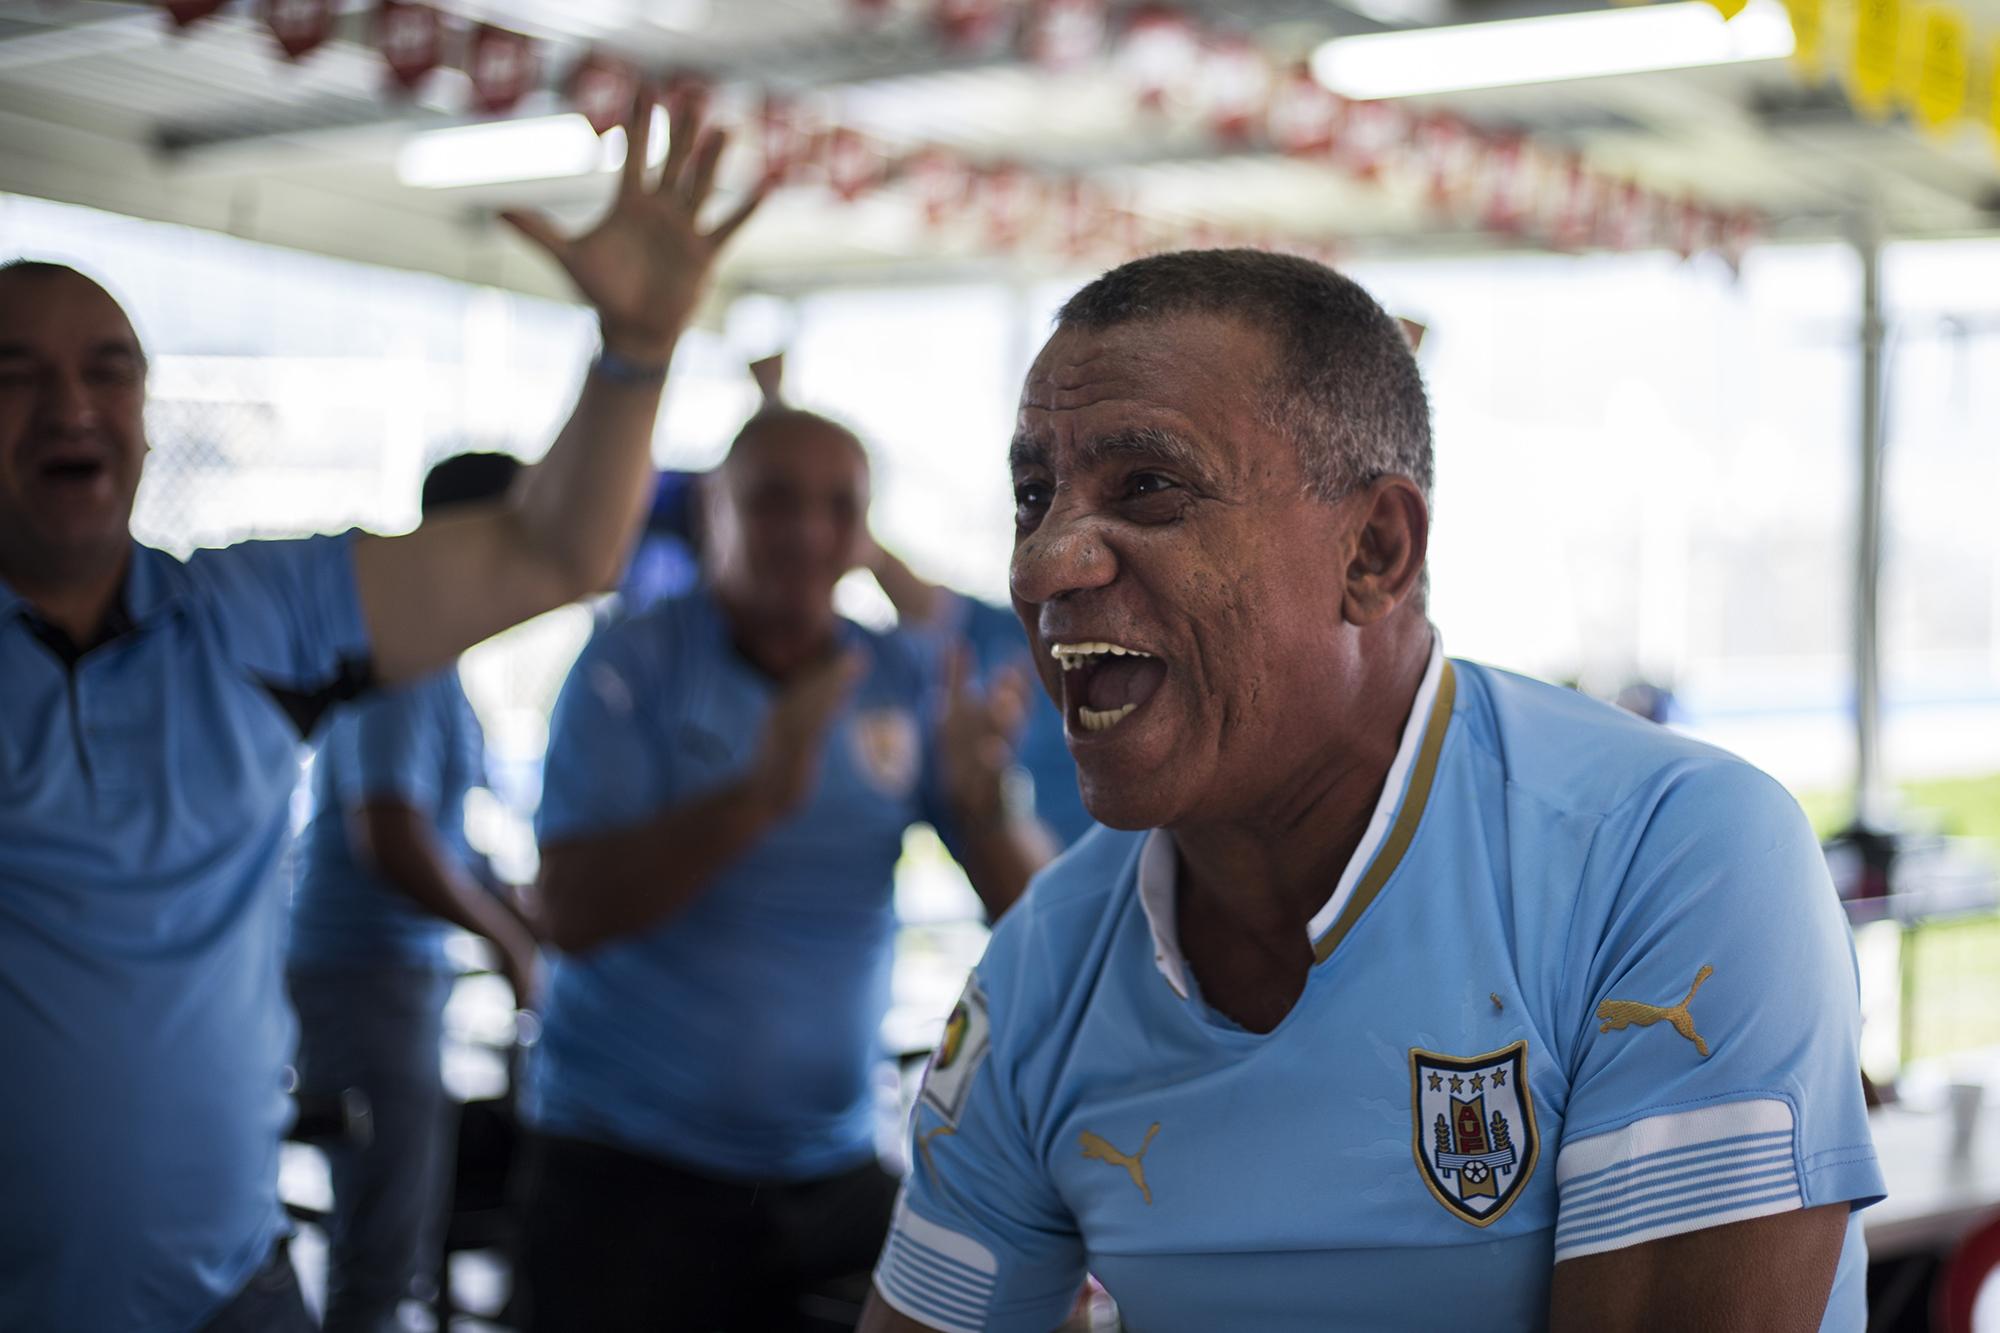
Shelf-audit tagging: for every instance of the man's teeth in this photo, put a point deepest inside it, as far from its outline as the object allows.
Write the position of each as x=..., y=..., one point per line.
x=1103, y=719
x=1074, y=656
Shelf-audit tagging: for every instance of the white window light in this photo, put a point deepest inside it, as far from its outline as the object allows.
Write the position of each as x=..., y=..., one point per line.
x=532, y=148
x=1544, y=50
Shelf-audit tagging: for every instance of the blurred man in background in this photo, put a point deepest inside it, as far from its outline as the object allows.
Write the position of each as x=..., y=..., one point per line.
x=149, y=736
x=385, y=874
x=729, y=779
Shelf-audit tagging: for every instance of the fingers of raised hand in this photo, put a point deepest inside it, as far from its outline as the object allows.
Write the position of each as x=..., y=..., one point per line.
x=638, y=138
x=684, y=121
x=700, y=181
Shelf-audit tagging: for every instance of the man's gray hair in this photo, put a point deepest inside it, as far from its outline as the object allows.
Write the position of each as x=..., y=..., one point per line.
x=1345, y=387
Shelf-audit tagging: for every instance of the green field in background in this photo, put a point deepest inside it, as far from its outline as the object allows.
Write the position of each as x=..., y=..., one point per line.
x=1956, y=963
x=1957, y=807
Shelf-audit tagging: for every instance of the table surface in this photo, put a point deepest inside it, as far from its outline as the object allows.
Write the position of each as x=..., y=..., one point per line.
x=1933, y=1198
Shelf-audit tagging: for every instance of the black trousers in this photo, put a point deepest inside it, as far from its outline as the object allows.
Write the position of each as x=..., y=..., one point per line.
x=270, y=1302
x=614, y=1241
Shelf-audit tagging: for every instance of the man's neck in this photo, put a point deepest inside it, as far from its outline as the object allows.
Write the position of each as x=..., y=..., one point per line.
x=781, y=649
x=77, y=601
x=1248, y=890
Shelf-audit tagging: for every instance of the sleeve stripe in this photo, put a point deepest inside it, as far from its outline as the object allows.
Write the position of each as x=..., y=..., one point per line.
x=929, y=1302
x=947, y=1277
x=952, y=1245
x=1679, y=1157
x=912, y=1308
x=1705, y=1127
x=1719, y=1187
x=935, y=1275
x=1653, y=1184
x=1760, y=1206
x=1669, y=1174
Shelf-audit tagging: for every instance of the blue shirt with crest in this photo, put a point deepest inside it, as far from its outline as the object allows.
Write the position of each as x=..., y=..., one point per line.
x=145, y=789
x=419, y=744
x=738, y=1037
x=1584, y=985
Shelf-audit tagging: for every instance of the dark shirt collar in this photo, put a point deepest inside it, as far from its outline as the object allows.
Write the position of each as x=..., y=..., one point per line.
x=146, y=594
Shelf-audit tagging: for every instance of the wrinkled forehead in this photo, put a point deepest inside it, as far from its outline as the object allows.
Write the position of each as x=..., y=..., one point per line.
x=39, y=306
x=1178, y=385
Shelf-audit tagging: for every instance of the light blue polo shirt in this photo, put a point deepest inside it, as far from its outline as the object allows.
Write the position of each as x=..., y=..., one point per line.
x=998, y=641
x=419, y=744
x=143, y=1026
x=737, y=1038
x=1584, y=984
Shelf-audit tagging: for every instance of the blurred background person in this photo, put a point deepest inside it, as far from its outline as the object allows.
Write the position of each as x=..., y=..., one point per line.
x=728, y=782
x=385, y=875
x=154, y=709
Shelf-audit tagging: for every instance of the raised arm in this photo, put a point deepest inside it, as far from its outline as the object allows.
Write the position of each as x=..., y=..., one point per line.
x=568, y=522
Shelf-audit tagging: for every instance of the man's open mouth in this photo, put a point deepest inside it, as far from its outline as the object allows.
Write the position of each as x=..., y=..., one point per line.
x=1105, y=683
x=72, y=469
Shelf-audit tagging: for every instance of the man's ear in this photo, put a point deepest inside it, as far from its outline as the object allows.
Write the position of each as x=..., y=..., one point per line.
x=1389, y=548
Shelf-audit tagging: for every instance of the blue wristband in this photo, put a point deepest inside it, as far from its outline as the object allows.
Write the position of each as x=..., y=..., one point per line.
x=621, y=371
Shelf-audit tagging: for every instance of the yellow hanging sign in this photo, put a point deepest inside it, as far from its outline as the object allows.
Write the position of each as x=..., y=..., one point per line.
x=1808, y=35
x=1940, y=67
x=1878, y=34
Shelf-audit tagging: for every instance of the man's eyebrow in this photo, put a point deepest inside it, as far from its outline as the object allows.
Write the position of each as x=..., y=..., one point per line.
x=1146, y=444
x=109, y=347
x=1026, y=451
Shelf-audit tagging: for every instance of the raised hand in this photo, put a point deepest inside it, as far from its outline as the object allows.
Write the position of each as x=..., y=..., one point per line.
x=646, y=264
x=787, y=762
x=977, y=736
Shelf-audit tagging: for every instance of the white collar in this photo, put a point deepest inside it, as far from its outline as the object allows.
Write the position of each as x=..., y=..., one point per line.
x=1159, y=869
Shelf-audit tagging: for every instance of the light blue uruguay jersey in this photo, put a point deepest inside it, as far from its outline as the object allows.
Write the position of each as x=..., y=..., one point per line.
x=739, y=1037
x=419, y=744
x=1583, y=985
x=145, y=788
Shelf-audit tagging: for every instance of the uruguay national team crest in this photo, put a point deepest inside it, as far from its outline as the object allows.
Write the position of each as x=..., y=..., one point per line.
x=1474, y=1132
x=888, y=749
x=959, y=1054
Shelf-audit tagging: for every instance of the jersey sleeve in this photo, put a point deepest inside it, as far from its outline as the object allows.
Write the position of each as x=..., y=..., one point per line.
x=981, y=1241
x=1716, y=1075
x=290, y=612
x=399, y=750
x=604, y=769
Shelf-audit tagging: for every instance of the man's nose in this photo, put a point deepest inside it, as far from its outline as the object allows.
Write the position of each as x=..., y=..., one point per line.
x=1066, y=553
x=65, y=405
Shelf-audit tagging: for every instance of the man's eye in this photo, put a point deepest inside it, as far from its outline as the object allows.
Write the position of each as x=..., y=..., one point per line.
x=1148, y=483
x=1030, y=499
x=114, y=375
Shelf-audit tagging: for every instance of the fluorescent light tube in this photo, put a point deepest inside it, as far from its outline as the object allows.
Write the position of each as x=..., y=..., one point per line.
x=533, y=148
x=1545, y=50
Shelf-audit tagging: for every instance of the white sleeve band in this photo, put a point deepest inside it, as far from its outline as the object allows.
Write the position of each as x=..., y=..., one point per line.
x=1669, y=1174
x=935, y=1275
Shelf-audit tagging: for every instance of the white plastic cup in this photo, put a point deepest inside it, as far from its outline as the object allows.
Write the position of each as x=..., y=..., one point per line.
x=1963, y=1100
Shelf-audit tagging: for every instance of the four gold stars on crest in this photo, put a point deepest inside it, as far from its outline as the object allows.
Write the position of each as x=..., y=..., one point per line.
x=1499, y=1077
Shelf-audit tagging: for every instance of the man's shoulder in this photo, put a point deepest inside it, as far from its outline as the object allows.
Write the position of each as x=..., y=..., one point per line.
x=657, y=643
x=1579, y=757
x=1054, y=939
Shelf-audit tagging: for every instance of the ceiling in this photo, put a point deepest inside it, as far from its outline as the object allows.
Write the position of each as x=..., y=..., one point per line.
x=101, y=104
